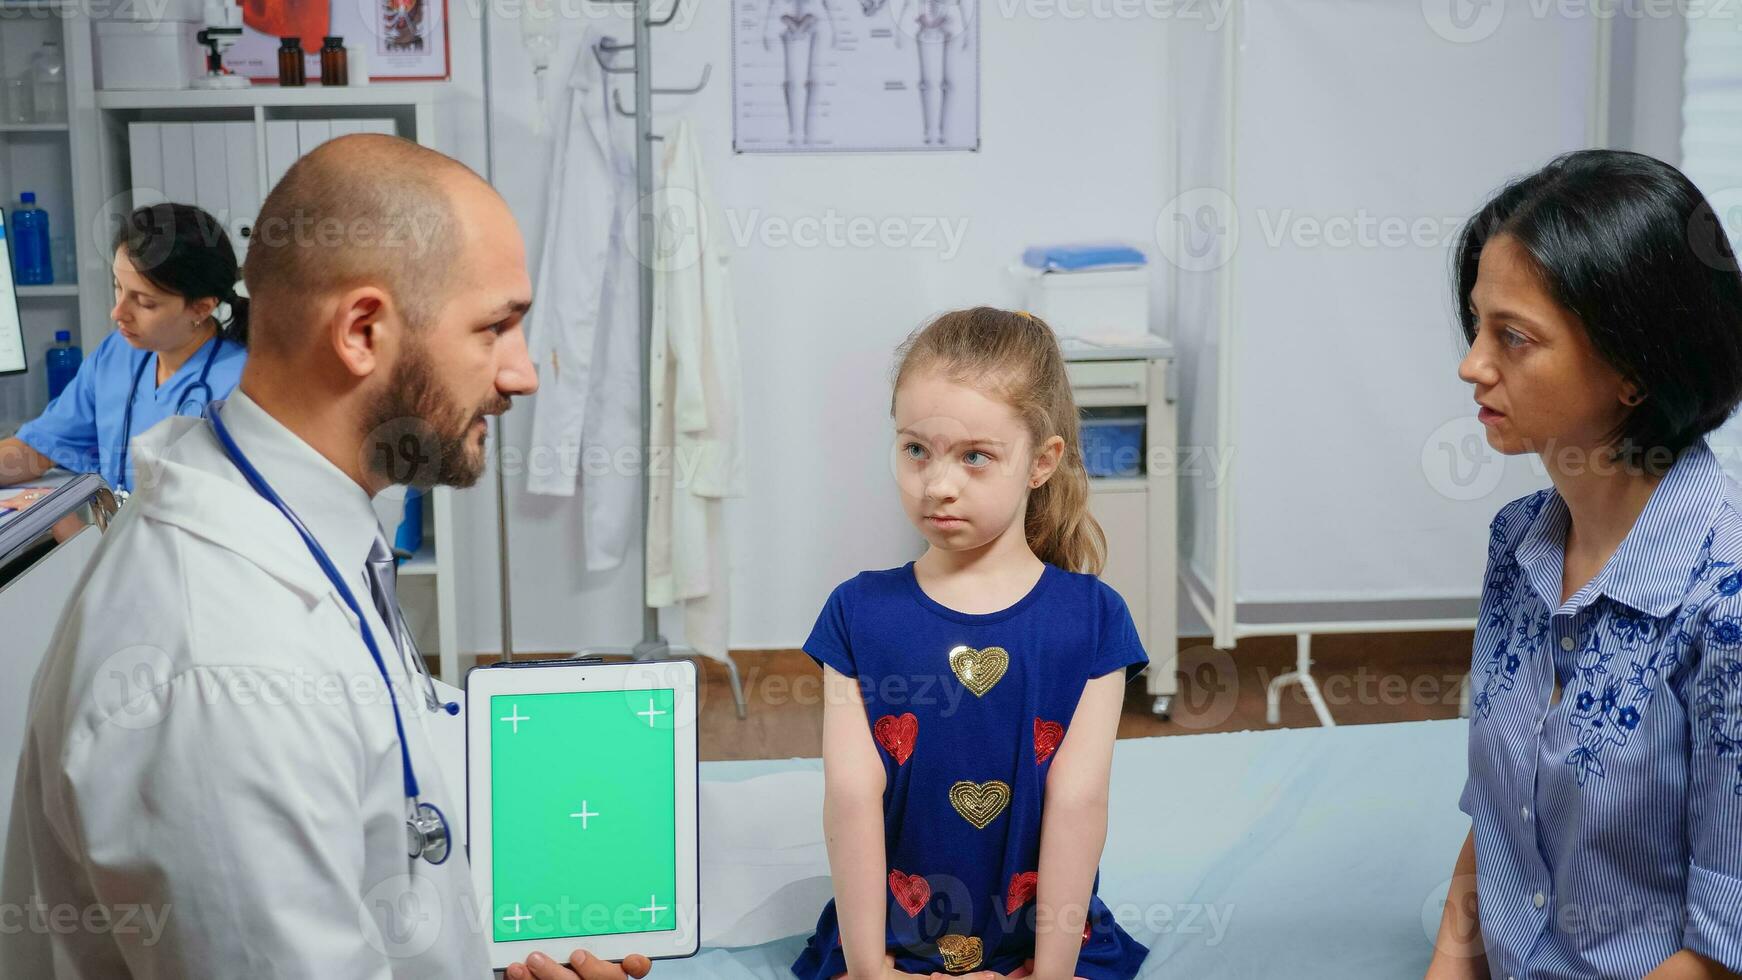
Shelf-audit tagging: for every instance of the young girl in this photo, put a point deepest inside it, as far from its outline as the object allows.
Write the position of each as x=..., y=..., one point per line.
x=972, y=696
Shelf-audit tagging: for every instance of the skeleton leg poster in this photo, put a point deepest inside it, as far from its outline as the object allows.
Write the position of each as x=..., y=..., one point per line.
x=829, y=75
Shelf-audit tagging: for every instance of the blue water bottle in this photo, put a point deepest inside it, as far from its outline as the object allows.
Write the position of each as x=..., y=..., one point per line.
x=31, y=263
x=63, y=362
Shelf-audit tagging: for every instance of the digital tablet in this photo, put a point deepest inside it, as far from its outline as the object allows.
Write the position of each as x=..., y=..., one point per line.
x=581, y=807
x=12, y=355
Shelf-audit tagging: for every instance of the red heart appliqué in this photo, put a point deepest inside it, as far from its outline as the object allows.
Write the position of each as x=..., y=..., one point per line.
x=897, y=735
x=911, y=891
x=1022, y=888
x=1047, y=736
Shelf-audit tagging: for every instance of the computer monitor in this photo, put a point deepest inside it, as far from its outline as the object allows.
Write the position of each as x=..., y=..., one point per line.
x=12, y=356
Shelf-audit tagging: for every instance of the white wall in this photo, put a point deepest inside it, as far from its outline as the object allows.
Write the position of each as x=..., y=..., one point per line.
x=1646, y=98
x=1073, y=146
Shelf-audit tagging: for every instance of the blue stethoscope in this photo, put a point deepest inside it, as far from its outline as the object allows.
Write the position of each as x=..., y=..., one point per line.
x=188, y=397
x=426, y=828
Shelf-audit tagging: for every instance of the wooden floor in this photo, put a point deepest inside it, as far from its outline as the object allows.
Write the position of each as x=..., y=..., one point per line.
x=1366, y=679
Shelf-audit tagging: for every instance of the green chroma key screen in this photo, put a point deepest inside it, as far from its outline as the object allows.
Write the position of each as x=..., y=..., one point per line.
x=584, y=814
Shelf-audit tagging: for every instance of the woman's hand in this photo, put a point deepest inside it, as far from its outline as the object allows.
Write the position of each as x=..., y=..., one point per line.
x=581, y=964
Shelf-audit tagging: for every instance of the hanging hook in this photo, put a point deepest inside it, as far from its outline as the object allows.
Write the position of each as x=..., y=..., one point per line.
x=668, y=17
x=617, y=99
x=607, y=45
x=707, y=72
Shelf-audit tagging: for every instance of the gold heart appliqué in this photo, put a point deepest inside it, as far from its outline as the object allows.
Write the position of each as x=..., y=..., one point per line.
x=961, y=953
x=980, y=803
x=979, y=670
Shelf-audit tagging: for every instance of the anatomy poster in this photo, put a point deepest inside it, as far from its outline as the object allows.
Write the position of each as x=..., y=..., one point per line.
x=402, y=40
x=814, y=76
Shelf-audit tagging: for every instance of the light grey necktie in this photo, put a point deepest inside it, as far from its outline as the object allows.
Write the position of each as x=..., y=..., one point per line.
x=383, y=588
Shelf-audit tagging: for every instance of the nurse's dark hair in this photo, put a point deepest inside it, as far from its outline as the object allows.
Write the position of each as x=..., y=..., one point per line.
x=1015, y=357
x=183, y=250
x=1628, y=245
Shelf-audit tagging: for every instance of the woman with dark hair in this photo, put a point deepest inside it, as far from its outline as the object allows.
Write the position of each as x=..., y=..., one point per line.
x=179, y=320
x=1603, y=309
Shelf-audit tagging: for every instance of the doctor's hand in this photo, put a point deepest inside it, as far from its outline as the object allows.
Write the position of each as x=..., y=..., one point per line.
x=582, y=964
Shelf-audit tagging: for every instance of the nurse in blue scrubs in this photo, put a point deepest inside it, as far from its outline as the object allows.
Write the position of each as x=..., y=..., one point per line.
x=1603, y=308
x=180, y=342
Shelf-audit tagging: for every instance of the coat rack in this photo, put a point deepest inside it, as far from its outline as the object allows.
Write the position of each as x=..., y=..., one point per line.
x=653, y=646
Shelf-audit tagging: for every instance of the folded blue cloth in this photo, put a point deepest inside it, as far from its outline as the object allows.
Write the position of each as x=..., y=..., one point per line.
x=1069, y=258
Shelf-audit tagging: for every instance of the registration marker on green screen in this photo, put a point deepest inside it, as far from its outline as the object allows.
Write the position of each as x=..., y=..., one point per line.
x=583, y=814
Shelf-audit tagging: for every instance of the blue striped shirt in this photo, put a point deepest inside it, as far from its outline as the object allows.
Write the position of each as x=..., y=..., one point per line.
x=1608, y=822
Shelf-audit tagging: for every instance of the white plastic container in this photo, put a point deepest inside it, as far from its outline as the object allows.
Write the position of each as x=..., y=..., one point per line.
x=155, y=55
x=1090, y=302
x=48, y=83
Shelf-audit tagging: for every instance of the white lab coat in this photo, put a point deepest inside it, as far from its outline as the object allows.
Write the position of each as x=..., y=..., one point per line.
x=697, y=397
x=585, y=327
x=210, y=754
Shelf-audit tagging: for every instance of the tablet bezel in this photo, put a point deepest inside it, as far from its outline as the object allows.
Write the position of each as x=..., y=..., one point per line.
x=574, y=676
x=9, y=296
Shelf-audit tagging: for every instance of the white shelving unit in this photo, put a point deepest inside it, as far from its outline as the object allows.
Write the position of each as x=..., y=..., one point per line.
x=1139, y=515
x=41, y=158
x=81, y=173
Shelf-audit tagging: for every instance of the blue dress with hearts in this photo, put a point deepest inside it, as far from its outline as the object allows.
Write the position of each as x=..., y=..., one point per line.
x=967, y=711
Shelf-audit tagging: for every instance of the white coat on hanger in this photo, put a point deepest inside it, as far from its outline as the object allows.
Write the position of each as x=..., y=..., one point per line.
x=697, y=402
x=584, y=331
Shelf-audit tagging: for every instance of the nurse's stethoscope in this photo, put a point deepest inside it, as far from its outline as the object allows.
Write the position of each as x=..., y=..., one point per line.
x=188, y=397
x=426, y=828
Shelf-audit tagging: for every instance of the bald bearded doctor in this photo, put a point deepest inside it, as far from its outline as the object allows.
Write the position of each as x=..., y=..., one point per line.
x=216, y=780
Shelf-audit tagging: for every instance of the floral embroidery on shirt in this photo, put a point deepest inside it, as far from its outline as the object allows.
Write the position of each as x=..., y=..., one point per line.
x=1508, y=655
x=1724, y=633
x=1531, y=629
x=1607, y=711
x=1631, y=629
x=1593, y=659
x=1602, y=720
x=1714, y=704
x=1705, y=566
x=1647, y=675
